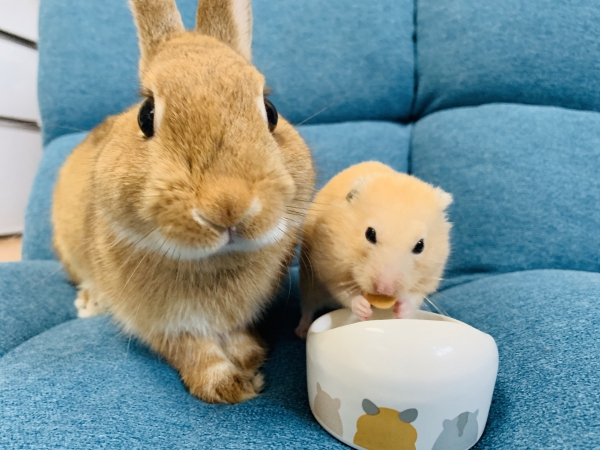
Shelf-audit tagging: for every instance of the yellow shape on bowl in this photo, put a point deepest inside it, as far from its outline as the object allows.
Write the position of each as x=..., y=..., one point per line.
x=384, y=431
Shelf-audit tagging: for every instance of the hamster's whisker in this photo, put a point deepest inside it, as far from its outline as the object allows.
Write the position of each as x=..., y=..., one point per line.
x=432, y=278
x=441, y=310
x=305, y=260
x=348, y=285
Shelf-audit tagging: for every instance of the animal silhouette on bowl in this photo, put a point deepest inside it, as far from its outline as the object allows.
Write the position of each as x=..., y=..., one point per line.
x=326, y=409
x=385, y=428
x=459, y=433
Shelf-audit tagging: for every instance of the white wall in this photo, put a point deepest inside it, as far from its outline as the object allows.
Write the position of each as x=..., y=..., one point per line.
x=20, y=144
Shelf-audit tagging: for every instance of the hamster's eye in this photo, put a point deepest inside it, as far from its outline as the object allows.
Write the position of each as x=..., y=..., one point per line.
x=371, y=235
x=272, y=116
x=418, y=248
x=146, y=117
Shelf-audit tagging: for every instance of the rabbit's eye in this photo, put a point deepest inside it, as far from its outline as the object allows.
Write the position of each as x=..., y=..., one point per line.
x=272, y=115
x=146, y=117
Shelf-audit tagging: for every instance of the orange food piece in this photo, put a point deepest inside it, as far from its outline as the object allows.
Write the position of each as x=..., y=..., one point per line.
x=380, y=301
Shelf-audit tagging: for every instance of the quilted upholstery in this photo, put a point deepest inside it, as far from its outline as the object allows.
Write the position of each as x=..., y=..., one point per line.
x=497, y=102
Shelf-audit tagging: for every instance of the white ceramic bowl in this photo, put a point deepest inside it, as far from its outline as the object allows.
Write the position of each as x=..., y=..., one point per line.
x=424, y=383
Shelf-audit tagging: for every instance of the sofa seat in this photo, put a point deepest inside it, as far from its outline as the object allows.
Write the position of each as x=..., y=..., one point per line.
x=83, y=384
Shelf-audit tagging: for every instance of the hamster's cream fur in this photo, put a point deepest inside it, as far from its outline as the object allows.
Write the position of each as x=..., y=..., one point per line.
x=183, y=233
x=339, y=263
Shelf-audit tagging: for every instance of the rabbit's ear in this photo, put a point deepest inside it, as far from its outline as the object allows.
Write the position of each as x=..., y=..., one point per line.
x=230, y=21
x=156, y=20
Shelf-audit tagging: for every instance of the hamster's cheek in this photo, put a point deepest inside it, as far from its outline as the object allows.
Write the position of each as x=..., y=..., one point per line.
x=362, y=277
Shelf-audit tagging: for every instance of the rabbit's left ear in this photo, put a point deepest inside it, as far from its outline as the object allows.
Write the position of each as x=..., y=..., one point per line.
x=230, y=21
x=156, y=21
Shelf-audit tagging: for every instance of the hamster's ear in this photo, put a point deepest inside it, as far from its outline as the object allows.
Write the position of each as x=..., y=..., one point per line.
x=357, y=185
x=408, y=415
x=156, y=21
x=369, y=407
x=351, y=195
x=444, y=197
x=230, y=21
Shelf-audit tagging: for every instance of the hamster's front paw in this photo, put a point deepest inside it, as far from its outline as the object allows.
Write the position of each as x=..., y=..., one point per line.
x=304, y=325
x=403, y=309
x=361, y=307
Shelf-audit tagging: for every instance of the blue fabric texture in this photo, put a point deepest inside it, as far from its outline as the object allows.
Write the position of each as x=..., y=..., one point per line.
x=37, y=236
x=493, y=81
x=338, y=146
x=102, y=389
x=315, y=55
x=525, y=183
x=545, y=323
x=34, y=297
x=83, y=384
x=541, y=52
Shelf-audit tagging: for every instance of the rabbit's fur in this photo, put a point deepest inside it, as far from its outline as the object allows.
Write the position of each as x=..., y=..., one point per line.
x=184, y=236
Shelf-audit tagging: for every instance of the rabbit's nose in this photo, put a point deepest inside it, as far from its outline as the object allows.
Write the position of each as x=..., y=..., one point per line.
x=227, y=204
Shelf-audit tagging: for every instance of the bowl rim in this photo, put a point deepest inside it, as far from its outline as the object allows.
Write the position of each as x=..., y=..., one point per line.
x=344, y=317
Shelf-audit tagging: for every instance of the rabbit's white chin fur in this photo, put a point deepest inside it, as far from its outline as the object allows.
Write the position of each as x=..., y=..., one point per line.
x=156, y=242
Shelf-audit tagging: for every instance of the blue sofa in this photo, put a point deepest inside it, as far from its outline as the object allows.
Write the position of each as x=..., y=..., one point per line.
x=496, y=102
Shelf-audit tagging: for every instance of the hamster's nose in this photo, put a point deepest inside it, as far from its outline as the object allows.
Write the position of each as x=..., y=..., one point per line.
x=385, y=287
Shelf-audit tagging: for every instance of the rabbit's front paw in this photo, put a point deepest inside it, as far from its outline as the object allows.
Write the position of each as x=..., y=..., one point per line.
x=223, y=383
x=88, y=305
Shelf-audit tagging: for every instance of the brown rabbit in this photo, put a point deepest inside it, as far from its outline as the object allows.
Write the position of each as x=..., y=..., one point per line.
x=180, y=215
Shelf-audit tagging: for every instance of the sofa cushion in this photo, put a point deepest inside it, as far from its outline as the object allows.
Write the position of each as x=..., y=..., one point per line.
x=83, y=384
x=337, y=146
x=37, y=236
x=34, y=297
x=334, y=146
x=342, y=60
x=545, y=323
x=525, y=183
x=537, y=52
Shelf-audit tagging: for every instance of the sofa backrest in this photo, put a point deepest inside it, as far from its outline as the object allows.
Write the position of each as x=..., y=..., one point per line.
x=505, y=97
x=507, y=100
x=341, y=60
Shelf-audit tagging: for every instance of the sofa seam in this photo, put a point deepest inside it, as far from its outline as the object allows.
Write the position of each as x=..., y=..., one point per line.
x=487, y=275
x=413, y=104
x=35, y=336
